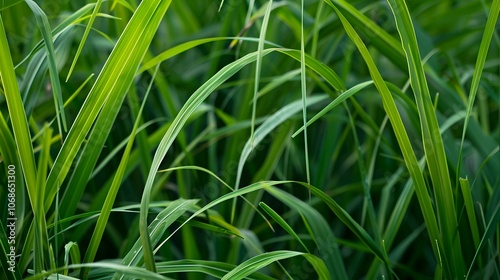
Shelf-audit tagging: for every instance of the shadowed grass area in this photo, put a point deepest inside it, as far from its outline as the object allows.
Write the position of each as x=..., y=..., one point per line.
x=253, y=139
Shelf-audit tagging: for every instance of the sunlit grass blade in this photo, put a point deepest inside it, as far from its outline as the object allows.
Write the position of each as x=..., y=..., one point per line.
x=17, y=116
x=43, y=24
x=97, y=7
x=111, y=84
x=253, y=264
x=433, y=143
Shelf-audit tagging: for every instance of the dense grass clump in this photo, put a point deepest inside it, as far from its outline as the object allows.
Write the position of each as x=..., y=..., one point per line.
x=292, y=139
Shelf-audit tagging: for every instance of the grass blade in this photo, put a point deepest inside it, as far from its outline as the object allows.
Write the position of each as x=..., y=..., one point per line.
x=433, y=143
x=253, y=264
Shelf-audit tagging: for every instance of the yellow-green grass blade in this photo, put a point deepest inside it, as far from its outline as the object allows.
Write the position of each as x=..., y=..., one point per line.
x=400, y=132
x=433, y=144
x=113, y=191
x=318, y=229
x=111, y=84
x=97, y=7
x=254, y=264
x=41, y=242
x=43, y=24
x=278, y=219
x=212, y=268
x=341, y=98
x=478, y=70
x=17, y=117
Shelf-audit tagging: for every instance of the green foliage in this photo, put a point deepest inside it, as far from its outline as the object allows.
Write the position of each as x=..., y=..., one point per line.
x=158, y=139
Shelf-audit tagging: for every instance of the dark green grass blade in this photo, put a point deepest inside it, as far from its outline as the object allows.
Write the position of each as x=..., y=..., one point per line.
x=401, y=135
x=433, y=143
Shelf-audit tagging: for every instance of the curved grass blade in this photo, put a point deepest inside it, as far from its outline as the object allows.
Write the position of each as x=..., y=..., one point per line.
x=267, y=127
x=341, y=98
x=253, y=264
x=136, y=272
x=212, y=268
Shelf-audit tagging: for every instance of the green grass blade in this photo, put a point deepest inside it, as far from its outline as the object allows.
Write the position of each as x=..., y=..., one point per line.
x=478, y=70
x=303, y=89
x=113, y=191
x=469, y=207
x=17, y=116
x=401, y=134
x=212, y=268
x=41, y=243
x=341, y=98
x=157, y=229
x=267, y=127
x=433, y=143
x=253, y=264
x=111, y=84
x=490, y=229
x=258, y=69
x=319, y=230
x=84, y=37
x=43, y=24
x=189, y=107
x=278, y=219
x=135, y=272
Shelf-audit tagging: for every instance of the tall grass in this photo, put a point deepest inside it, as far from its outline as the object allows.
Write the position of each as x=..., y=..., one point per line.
x=250, y=139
